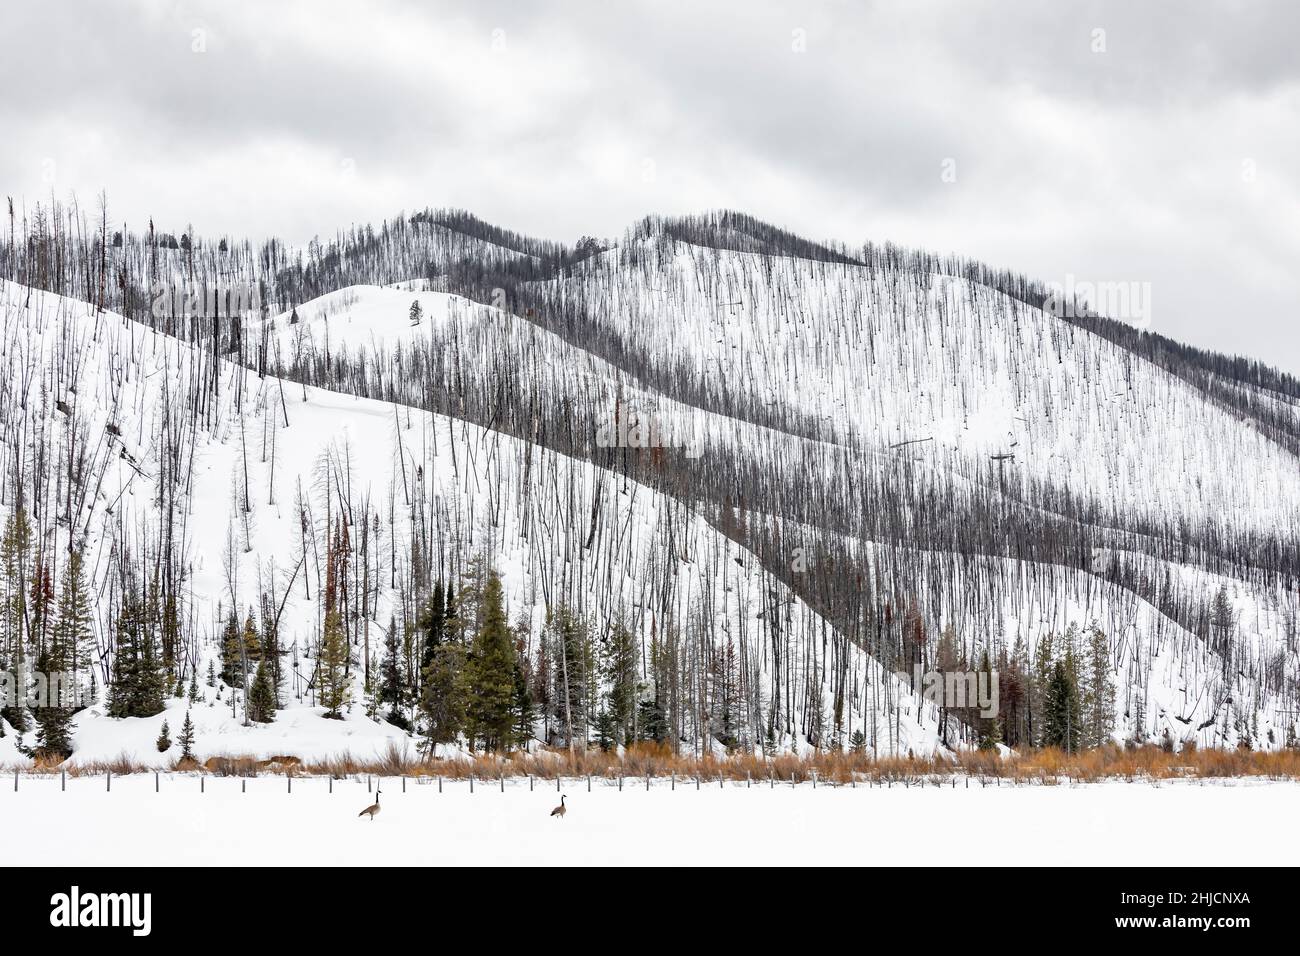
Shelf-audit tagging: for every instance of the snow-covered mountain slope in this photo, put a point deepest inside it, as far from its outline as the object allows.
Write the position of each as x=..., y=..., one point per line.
x=961, y=370
x=1177, y=677
x=275, y=466
x=831, y=465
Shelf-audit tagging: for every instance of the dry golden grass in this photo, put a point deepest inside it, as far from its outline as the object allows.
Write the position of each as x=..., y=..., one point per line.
x=1044, y=767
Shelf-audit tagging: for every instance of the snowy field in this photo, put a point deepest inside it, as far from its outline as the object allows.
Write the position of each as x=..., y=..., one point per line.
x=1234, y=823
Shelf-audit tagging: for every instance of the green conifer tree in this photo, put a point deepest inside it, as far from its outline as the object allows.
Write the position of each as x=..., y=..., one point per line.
x=261, y=697
x=1062, y=714
x=187, y=738
x=335, y=689
x=491, y=672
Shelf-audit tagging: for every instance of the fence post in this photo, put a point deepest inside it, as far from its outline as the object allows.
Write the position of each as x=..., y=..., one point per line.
x=748, y=782
x=440, y=784
x=108, y=781
x=15, y=781
x=332, y=784
x=63, y=780
x=403, y=785
x=471, y=783
x=589, y=783
x=290, y=779
x=557, y=783
x=620, y=783
x=155, y=781
x=201, y=782
x=530, y=783
x=814, y=776
x=674, y=779
x=243, y=785
x=647, y=781
x=697, y=781
x=502, y=774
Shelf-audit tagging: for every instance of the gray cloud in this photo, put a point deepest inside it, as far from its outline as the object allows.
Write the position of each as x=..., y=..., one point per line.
x=1134, y=163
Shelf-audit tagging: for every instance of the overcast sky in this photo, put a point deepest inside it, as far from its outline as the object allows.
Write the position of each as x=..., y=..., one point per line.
x=1156, y=145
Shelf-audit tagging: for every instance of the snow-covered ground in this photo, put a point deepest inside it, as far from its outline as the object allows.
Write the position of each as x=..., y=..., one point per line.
x=1113, y=824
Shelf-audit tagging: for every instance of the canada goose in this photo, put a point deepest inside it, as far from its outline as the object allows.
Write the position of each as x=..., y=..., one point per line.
x=560, y=811
x=373, y=808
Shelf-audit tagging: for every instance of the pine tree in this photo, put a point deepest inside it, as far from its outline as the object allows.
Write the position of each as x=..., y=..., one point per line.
x=858, y=742
x=54, y=719
x=524, y=711
x=442, y=696
x=187, y=738
x=989, y=729
x=261, y=697
x=619, y=669
x=432, y=625
x=652, y=718
x=1223, y=623
x=1040, y=680
x=139, y=677
x=252, y=640
x=392, y=689
x=335, y=690
x=491, y=672
x=573, y=674
x=1099, y=691
x=1061, y=711
x=15, y=547
x=74, y=623
x=232, y=652
x=164, y=741
x=726, y=697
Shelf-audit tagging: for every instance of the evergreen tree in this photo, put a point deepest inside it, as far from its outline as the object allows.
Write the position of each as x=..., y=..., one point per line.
x=335, y=689
x=139, y=677
x=1040, y=679
x=524, y=711
x=1099, y=691
x=15, y=547
x=232, y=652
x=252, y=640
x=261, y=697
x=164, y=741
x=187, y=738
x=432, y=625
x=1223, y=624
x=491, y=672
x=652, y=718
x=54, y=719
x=392, y=689
x=726, y=698
x=1061, y=711
x=73, y=630
x=858, y=742
x=989, y=730
x=574, y=672
x=619, y=669
x=442, y=697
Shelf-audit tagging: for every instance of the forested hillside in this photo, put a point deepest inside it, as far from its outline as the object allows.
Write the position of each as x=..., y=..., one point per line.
x=707, y=486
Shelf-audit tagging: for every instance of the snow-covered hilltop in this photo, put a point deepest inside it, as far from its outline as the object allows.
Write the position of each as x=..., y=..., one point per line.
x=730, y=481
